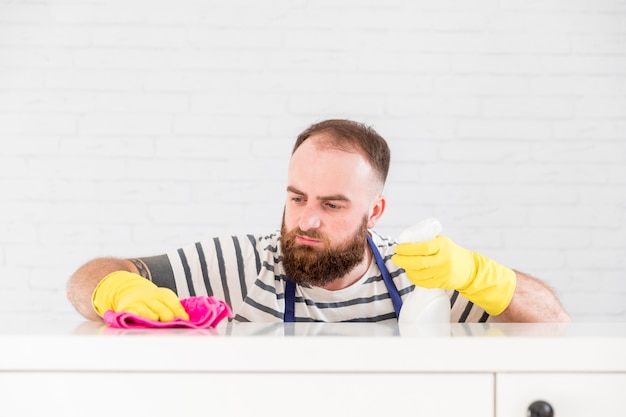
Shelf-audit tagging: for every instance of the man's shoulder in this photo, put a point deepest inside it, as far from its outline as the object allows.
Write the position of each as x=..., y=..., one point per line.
x=233, y=242
x=254, y=238
x=269, y=242
x=381, y=240
x=273, y=236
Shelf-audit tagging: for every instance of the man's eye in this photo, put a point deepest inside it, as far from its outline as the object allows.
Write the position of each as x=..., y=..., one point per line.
x=297, y=199
x=332, y=206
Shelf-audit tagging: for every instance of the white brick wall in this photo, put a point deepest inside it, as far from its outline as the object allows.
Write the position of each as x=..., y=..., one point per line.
x=131, y=127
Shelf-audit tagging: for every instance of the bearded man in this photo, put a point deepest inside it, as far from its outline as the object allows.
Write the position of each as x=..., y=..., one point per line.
x=326, y=264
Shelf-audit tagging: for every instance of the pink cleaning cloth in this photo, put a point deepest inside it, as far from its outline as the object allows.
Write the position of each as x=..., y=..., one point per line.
x=204, y=313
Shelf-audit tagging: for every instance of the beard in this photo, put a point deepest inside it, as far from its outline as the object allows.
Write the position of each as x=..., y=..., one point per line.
x=311, y=266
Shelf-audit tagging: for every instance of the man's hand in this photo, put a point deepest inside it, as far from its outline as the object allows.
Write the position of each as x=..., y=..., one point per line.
x=132, y=293
x=440, y=263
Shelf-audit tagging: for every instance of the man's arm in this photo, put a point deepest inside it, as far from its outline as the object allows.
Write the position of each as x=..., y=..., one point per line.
x=83, y=282
x=533, y=301
x=506, y=295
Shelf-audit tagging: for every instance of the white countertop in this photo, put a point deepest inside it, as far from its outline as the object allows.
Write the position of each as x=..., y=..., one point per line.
x=71, y=344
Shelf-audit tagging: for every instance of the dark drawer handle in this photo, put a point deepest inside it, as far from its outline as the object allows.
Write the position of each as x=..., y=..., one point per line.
x=540, y=408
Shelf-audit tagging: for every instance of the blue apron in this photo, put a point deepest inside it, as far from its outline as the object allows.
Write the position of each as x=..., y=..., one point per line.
x=290, y=288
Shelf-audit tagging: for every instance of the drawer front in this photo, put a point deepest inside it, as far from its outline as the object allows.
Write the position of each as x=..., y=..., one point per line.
x=304, y=394
x=569, y=394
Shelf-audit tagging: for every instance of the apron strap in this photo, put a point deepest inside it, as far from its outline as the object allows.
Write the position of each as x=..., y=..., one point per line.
x=394, y=294
x=290, y=301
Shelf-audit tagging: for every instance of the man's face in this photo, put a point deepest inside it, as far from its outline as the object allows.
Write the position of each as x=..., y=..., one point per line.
x=332, y=199
x=318, y=266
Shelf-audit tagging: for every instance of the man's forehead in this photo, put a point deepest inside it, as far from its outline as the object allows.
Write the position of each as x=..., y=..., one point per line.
x=318, y=150
x=323, y=171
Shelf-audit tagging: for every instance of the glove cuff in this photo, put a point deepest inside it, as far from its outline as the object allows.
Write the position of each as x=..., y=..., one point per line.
x=493, y=285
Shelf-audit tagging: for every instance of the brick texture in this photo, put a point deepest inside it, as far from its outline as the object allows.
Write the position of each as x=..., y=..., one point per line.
x=131, y=127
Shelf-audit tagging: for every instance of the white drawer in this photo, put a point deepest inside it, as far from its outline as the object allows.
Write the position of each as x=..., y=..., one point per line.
x=237, y=394
x=569, y=394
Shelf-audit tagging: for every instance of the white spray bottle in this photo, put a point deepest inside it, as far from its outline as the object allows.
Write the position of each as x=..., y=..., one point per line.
x=424, y=305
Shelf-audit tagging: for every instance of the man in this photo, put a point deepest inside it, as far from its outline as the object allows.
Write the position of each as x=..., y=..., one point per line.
x=326, y=263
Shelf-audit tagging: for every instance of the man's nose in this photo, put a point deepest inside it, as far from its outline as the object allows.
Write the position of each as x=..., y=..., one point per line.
x=309, y=218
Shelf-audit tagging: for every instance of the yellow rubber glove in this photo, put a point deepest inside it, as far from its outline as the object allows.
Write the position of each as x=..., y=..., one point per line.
x=132, y=293
x=441, y=263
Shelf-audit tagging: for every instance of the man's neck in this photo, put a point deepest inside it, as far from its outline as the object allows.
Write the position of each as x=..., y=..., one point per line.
x=354, y=275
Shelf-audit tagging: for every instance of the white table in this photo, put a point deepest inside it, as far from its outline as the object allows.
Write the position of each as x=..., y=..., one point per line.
x=69, y=367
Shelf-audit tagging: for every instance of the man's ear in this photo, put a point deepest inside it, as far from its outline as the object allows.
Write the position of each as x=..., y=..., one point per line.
x=376, y=211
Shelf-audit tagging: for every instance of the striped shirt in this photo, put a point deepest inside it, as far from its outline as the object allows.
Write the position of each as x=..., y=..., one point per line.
x=246, y=272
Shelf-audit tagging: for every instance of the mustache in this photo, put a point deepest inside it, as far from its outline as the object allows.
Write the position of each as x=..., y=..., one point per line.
x=313, y=234
x=296, y=231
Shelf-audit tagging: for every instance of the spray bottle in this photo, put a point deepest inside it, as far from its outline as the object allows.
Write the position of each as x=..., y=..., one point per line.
x=424, y=305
